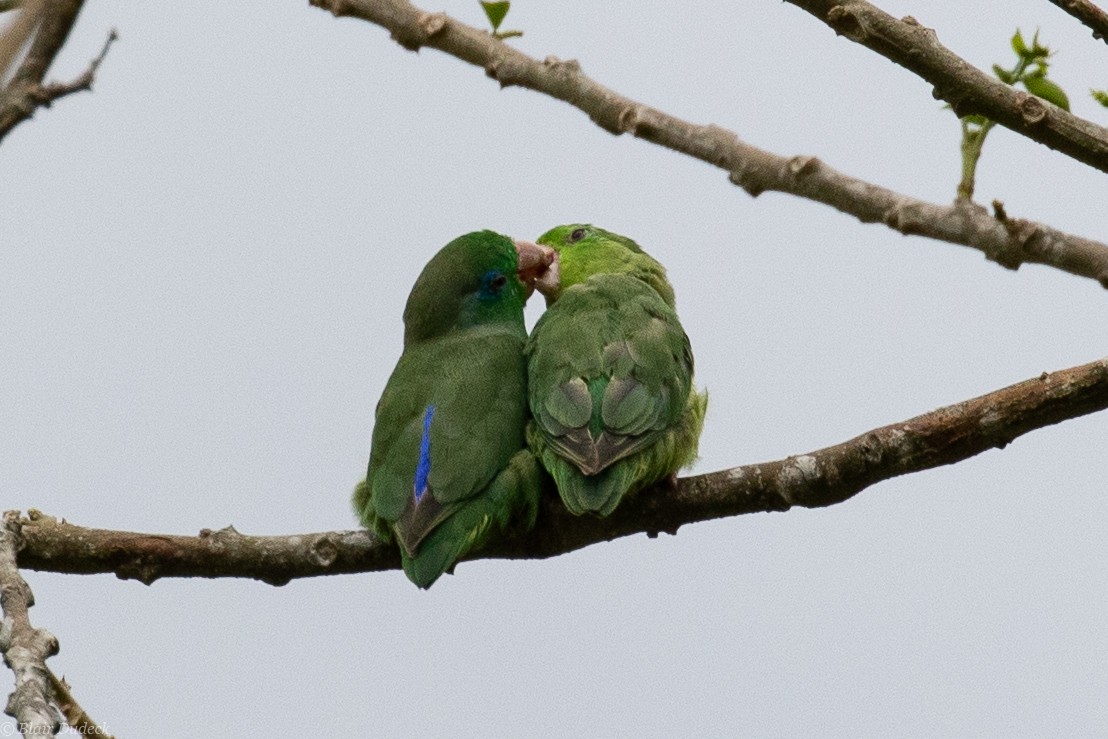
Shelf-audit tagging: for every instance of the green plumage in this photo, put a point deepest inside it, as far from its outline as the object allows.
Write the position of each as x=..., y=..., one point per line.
x=448, y=466
x=609, y=372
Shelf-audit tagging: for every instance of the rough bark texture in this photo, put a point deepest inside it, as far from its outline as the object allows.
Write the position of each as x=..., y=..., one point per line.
x=1089, y=14
x=820, y=478
x=1008, y=242
x=968, y=89
x=25, y=648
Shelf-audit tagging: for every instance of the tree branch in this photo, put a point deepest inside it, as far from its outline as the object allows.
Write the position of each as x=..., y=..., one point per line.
x=1087, y=13
x=25, y=648
x=820, y=478
x=966, y=88
x=1009, y=242
x=49, y=26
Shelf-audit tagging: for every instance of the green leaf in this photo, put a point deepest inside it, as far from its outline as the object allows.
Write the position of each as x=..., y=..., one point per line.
x=1018, y=45
x=1036, y=49
x=495, y=12
x=1101, y=96
x=1047, y=90
x=1003, y=74
x=975, y=119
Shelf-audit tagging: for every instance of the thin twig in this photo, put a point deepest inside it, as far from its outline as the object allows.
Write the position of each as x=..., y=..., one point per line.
x=26, y=91
x=820, y=478
x=1089, y=14
x=968, y=89
x=75, y=716
x=1009, y=243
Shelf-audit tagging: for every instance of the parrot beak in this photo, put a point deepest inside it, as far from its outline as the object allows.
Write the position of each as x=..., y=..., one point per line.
x=535, y=263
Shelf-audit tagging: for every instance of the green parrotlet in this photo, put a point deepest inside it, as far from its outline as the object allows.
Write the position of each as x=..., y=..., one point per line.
x=449, y=467
x=609, y=372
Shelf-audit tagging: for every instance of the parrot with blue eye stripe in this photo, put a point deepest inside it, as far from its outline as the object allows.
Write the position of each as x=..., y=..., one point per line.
x=448, y=465
x=609, y=371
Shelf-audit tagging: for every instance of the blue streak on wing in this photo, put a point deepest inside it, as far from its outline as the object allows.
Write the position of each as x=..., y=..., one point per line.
x=423, y=467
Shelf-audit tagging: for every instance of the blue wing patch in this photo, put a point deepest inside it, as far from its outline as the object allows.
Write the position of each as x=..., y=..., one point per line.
x=423, y=467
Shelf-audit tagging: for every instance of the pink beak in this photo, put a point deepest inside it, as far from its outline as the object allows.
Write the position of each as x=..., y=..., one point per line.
x=534, y=263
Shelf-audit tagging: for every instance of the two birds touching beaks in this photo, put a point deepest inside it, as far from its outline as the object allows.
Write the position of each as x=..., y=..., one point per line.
x=476, y=414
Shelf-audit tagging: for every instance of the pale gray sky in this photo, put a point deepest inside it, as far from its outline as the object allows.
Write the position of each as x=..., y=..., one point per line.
x=202, y=270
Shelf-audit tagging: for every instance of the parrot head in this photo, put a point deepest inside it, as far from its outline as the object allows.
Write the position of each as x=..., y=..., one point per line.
x=581, y=250
x=474, y=280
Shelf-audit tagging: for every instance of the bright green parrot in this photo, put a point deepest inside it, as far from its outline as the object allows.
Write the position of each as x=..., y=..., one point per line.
x=449, y=465
x=609, y=371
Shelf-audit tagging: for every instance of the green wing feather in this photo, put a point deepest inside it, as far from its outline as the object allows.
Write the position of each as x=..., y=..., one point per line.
x=610, y=371
x=475, y=379
x=510, y=499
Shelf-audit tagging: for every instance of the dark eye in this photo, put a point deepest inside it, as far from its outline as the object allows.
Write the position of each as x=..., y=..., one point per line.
x=577, y=235
x=496, y=284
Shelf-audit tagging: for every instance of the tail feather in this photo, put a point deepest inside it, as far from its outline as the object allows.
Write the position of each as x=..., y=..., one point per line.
x=599, y=493
x=511, y=498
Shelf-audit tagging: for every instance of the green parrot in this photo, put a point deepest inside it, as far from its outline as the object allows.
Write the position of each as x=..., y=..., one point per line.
x=449, y=465
x=609, y=371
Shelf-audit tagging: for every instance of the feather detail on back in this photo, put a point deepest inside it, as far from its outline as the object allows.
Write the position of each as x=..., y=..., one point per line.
x=609, y=372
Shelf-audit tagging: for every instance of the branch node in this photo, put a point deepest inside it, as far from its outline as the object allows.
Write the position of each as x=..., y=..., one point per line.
x=803, y=165
x=904, y=218
x=1031, y=108
x=429, y=25
x=844, y=22
x=337, y=8
x=432, y=24
x=998, y=211
x=738, y=177
x=324, y=551
x=633, y=119
x=566, y=67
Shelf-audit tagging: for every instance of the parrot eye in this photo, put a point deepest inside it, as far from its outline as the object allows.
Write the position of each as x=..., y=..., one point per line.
x=492, y=283
x=577, y=235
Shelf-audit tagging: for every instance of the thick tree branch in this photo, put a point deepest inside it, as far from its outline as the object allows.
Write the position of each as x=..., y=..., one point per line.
x=1009, y=242
x=1087, y=13
x=820, y=478
x=25, y=648
x=966, y=88
x=48, y=24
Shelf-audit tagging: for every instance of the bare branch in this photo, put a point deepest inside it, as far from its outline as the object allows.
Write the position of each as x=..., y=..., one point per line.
x=25, y=648
x=1009, y=242
x=965, y=87
x=26, y=91
x=1087, y=13
x=820, y=478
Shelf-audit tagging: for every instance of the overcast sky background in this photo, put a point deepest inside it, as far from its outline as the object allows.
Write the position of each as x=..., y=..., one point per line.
x=202, y=270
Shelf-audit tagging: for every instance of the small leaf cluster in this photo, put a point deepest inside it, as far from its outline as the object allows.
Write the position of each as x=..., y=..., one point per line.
x=1031, y=71
x=495, y=12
